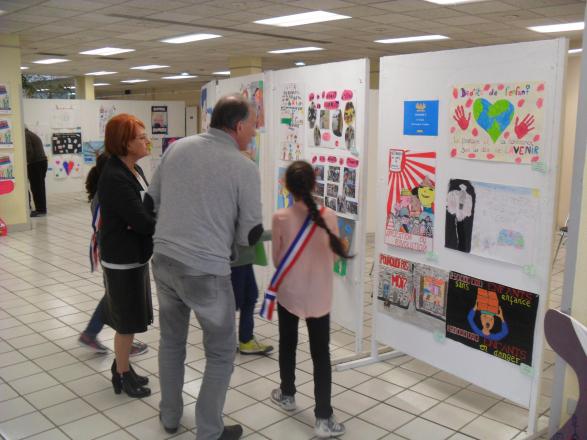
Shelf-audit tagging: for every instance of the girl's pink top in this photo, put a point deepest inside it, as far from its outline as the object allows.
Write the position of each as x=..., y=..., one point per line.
x=306, y=291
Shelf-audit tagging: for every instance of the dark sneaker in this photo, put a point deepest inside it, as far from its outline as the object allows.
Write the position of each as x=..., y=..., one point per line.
x=232, y=432
x=38, y=213
x=92, y=343
x=138, y=348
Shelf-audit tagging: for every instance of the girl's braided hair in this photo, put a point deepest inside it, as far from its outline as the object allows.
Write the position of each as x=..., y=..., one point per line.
x=300, y=181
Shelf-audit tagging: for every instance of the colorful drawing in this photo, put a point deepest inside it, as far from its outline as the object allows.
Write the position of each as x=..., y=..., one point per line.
x=346, y=230
x=331, y=116
x=395, y=282
x=91, y=150
x=284, y=197
x=291, y=121
x=205, y=111
x=66, y=165
x=159, y=123
x=104, y=114
x=430, y=290
x=66, y=143
x=491, y=317
x=253, y=91
x=410, y=200
x=5, y=106
x=492, y=221
x=6, y=173
x=6, y=139
x=500, y=122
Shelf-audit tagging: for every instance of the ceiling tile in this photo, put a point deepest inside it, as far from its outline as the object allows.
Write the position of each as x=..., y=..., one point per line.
x=405, y=5
x=485, y=7
x=462, y=20
x=75, y=5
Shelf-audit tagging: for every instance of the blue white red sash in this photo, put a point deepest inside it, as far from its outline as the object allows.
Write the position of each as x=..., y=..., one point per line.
x=289, y=260
x=94, y=250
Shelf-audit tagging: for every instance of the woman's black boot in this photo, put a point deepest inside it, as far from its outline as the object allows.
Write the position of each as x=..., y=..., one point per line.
x=141, y=380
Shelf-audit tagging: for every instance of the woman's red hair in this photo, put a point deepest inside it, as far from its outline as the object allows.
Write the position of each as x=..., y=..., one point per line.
x=120, y=130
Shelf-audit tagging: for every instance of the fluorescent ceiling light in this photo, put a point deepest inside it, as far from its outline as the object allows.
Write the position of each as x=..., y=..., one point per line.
x=296, y=49
x=412, y=39
x=301, y=19
x=24, y=68
x=222, y=72
x=100, y=73
x=149, y=67
x=69, y=87
x=561, y=27
x=574, y=51
x=189, y=38
x=105, y=51
x=42, y=90
x=51, y=61
x=452, y=2
x=300, y=63
x=132, y=81
x=101, y=84
x=182, y=76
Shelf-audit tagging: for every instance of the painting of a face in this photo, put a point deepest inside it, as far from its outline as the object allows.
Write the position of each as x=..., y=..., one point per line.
x=426, y=196
x=487, y=321
x=349, y=113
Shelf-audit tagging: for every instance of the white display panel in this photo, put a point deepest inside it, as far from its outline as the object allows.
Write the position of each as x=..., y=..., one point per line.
x=46, y=117
x=434, y=76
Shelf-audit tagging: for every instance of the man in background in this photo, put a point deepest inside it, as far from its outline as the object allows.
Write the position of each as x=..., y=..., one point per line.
x=37, y=170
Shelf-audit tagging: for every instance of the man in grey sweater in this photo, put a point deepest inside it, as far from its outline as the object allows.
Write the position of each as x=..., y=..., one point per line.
x=206, y=194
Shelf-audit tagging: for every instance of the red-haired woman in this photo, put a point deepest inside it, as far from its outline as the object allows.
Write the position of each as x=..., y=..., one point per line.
x=126, y=245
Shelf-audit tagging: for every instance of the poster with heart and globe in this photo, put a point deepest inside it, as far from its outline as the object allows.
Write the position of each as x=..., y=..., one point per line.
x=498, y=122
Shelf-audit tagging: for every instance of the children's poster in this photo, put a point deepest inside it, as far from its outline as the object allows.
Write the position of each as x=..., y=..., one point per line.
x=284, y=197
x=491, y=317
x=106, y=112
x=332, y=120
x=413, y=293
x=159, y=124
x=337, y=180
x=66, y=116
x=6, y=172
x=205, y=111
x=6, y=139
x=291, y=123
x=91, y=150
x=66, y=165
x=253, y=92
x=498, y=122
x=346, y=231
x=5, y=106
x=492, y=221
x=410, y=199
x=66, y=143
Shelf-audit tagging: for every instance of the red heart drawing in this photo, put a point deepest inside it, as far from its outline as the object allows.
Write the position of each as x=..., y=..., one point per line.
x=6, y=186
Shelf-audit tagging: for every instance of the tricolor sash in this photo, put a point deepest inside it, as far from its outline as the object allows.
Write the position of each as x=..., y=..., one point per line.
x=94, y=250
x=292, y=255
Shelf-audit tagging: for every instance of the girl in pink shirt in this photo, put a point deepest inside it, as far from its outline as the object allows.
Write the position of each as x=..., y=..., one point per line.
x=306, y=292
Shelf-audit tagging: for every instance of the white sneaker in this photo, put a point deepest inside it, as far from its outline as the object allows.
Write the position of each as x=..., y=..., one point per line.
x=326, y=428
x=287, y=403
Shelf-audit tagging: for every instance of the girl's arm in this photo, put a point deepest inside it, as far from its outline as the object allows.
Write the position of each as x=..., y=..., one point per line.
x=275, y=240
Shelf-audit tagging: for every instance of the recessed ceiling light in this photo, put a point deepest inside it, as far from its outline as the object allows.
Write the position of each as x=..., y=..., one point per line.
x=105, y=51
x=24, y=68
x=149, y=67
x=412, y=39
x=42, y=90
x=101, y=84
x=189, y=38
x=51, y=61
x=296, y=49
x=453, y=2
x=132, y=81
x=182, y=76
x=300, y=63
x=561, y=27
x=100, y=73
x=69, y=87
x=222, y=72
x=574, y=51
x=301, y=19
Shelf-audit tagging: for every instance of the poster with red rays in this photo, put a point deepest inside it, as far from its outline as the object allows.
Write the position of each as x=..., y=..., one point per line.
x=498, y=122
x=410, y=199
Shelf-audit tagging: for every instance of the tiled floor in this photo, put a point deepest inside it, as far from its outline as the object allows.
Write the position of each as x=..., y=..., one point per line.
x=50, y=388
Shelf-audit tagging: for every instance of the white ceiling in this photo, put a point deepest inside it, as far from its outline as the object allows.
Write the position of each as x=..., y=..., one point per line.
x=50, y=28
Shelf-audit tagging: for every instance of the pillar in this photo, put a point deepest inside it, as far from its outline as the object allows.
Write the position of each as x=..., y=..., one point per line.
x=84, y=88
x=13, y=193
x=241, y=66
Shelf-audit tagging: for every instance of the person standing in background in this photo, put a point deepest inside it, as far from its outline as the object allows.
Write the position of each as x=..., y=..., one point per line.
x=37, y=170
